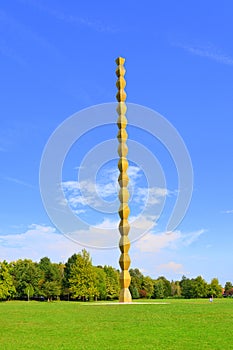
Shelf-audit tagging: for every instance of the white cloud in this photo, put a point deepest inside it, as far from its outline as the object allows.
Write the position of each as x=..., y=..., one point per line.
x=153, y=243
x=228, y=211
x=37, y=241
x=71, y=185
x=108, y=224
x=89, y=199
x=103, y=193
x=106, y=233
x=189, y=238
x=80, y=193
x=150, y=196
x=108, y=185
x=171, y=267
x=143, y=222
x=79, y=211
x=134, y=173
x=95, y=194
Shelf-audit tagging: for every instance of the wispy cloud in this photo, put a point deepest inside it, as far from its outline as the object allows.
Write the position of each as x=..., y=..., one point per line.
x=171, y=266
x=209, y=52
x=95, y=202
x=20, y=32
x=94, y=194
x=150, y=196
x=190, y=237
x=18, y=181
x=134, y=173
x=153, y=243
x=87, y=193
x=9, y=52
x=92, y=23
x=105, y=234
x=37, y=241
x=228, y=211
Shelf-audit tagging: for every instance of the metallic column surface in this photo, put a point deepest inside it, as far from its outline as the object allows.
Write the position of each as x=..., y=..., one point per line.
x=123, y=181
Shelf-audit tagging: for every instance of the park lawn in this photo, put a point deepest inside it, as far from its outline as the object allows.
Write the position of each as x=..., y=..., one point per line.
x=179, y=324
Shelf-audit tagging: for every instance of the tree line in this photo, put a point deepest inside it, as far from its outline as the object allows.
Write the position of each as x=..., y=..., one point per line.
x=78, y=279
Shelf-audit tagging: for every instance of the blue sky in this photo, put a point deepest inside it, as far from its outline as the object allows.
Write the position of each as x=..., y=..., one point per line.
x=58, y=58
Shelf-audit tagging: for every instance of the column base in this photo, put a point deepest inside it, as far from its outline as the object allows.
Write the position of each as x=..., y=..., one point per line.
x=125, y=296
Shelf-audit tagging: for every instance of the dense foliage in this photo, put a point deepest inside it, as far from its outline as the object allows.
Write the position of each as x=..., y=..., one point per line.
x=78, y=279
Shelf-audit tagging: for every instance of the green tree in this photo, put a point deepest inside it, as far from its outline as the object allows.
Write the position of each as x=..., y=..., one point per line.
x=29, y=291
x=112, y=282
x=26, y=275
x=166, y=285
x=50, y=283
x=136, y=282
x=158, y=289
x=186, y=287
x=51, y=289
x=50, y=270
x=7, y=288
x=66, y=275
x=134, y=292
x=215, y=289
x=67, y=269
x=83, y=277
x=147, y=287
x=200, y=287
x=175, y=289
x=101, y=283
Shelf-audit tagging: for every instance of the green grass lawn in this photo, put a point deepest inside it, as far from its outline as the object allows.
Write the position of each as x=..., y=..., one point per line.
x=181, y=324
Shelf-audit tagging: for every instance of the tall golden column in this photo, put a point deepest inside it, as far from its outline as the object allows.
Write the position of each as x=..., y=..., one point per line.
x=123, y=180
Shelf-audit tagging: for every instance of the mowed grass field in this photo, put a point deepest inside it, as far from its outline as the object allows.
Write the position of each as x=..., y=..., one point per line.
x=180, y=324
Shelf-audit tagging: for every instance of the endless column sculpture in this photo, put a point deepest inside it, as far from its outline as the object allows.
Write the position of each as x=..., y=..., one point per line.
x=123, y=180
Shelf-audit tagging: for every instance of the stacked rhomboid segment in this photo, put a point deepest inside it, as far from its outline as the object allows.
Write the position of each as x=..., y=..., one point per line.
x=123, y=180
